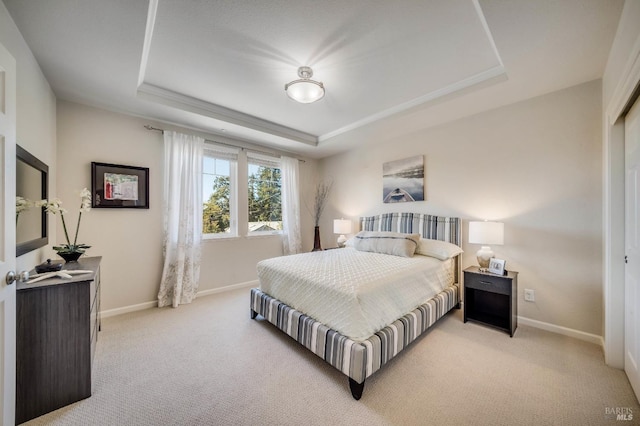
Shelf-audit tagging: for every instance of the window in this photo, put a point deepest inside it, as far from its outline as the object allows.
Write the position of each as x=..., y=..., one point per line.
x=264, y=193
x=218, y=191
x=262, y=213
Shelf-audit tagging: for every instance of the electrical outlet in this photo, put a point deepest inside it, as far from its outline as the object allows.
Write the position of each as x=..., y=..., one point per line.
x=529, y=295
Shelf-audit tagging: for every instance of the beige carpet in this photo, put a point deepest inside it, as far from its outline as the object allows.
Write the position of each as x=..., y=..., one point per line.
x=208, y=364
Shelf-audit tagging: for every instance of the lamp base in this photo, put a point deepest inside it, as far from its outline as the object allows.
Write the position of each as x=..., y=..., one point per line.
x=341, y=241
x=484, y=256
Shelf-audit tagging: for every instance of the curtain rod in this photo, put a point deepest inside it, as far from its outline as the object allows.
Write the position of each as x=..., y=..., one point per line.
x=149, y=127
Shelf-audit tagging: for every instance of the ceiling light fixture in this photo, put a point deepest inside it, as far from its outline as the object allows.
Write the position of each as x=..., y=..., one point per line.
x=305, y=90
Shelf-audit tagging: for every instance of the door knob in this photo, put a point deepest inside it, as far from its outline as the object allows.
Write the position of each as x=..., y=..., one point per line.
x=12, y=277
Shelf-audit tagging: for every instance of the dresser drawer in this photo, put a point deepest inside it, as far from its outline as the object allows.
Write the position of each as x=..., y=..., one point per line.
x=493, y=284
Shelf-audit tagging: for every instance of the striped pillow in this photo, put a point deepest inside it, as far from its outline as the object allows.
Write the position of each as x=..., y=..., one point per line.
x=393, y=243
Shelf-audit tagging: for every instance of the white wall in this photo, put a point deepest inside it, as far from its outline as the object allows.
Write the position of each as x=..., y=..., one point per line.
x=535, y=165
x=130, y=240
x=36, y=117
x=621, y=76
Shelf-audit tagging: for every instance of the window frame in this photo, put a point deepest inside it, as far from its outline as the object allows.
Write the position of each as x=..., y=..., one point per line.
x=221, y=153
x=239, y=161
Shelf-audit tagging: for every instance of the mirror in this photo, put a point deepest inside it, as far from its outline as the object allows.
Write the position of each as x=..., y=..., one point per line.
x=31, y=184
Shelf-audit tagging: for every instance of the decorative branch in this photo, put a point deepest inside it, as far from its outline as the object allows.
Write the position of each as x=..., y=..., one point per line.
x=320, y=201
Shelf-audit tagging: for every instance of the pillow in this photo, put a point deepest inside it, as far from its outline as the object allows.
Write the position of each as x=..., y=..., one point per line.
x=392, y=243
x=442, y=250
x=351, y=242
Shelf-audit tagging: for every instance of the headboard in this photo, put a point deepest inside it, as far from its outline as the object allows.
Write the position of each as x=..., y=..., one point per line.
x=428, y=226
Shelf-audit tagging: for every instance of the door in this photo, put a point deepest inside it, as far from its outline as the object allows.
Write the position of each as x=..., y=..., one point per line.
x=632, y=246
x=7, y=236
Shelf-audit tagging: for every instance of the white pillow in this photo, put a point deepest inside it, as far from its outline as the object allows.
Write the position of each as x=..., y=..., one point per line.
x=393, y=243
x=351, y=242
x=442, y=250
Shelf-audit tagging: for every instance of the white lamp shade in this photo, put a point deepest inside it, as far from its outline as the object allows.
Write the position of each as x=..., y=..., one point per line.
x=305, y=91
x=488, y=233
x=341, y=226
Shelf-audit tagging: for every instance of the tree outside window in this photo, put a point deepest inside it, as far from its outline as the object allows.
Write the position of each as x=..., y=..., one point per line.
x=264, y=198
x=216, y=212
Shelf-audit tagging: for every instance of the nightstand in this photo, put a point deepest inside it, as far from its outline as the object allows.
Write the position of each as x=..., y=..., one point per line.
x=491, y=299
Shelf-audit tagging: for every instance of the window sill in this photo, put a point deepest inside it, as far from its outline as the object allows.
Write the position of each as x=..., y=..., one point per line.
x=264, y=234
x=207, y=238
x=256, y=235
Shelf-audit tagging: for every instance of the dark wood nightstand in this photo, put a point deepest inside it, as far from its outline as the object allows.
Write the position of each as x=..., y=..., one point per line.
x=491, y=299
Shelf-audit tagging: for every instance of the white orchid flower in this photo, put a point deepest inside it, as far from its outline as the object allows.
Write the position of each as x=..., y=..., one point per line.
x=22, y=204
x=55, y=206
x=85, y=195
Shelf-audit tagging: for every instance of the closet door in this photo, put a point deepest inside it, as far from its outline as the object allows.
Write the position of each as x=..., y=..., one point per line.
x=632, y=247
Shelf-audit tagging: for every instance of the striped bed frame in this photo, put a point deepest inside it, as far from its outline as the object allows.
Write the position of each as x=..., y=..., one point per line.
x=360, y=359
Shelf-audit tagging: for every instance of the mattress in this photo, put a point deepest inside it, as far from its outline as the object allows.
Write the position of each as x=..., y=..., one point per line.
x=353, y=292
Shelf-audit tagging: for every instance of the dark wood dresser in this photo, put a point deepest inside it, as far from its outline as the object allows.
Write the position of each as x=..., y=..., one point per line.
x=57, y=324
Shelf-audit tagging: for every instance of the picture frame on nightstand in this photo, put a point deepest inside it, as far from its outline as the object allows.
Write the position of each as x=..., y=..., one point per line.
x=496, y=266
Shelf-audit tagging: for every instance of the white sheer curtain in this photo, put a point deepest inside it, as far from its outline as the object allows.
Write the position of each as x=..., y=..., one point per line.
x=291, y=240
x=182, y=206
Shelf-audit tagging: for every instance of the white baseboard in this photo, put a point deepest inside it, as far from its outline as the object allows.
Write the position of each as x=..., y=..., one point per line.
x=147, y=305
x=126, y=309
x=247, y=284
x=577, y=334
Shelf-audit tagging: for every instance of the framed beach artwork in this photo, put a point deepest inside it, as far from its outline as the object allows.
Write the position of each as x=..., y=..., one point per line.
x=403, y=180
x=116, y=186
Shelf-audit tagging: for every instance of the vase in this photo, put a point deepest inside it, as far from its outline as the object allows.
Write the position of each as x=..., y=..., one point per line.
x=316, y=240
x=70, y=257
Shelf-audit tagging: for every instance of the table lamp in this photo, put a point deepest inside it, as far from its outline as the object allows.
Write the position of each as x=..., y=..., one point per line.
x=486, y=233
x=341, y=226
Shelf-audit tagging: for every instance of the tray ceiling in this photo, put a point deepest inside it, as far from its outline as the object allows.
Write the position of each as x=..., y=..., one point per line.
x=221, y=66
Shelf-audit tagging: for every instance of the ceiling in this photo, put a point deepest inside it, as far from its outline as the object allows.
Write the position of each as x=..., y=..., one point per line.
x=389, y=68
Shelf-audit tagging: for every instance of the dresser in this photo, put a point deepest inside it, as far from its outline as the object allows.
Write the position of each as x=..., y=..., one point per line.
x=57, y=324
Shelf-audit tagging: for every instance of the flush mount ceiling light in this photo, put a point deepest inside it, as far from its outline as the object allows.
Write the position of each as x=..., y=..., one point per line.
x=305, y=90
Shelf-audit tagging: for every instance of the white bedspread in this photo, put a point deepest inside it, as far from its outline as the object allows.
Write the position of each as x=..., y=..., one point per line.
x=355, y=293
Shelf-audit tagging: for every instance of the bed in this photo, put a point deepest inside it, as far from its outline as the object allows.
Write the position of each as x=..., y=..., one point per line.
x=357, y=330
